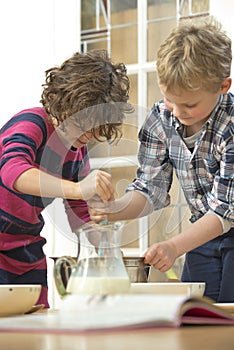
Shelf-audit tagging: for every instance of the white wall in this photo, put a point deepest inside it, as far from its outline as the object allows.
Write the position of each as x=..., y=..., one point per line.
x=36, y=35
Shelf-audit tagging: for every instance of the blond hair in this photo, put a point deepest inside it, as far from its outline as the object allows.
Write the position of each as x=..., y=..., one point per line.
x=196, y=55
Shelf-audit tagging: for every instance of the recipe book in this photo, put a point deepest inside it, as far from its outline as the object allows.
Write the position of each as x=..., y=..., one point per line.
x=79, y=314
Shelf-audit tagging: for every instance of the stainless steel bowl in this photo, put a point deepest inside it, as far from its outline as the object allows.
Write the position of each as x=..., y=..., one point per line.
x=137, y=270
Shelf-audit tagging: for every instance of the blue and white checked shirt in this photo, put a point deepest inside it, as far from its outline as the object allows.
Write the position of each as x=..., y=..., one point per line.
x=206, y=175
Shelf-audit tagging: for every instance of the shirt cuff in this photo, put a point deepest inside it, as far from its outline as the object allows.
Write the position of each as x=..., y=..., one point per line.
x=151, y=206
x=226, y=224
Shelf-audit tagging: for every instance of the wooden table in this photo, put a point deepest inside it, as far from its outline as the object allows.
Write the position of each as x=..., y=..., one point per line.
x=184, y=338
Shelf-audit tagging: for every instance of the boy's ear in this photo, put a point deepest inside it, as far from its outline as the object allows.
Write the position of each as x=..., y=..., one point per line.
x=225, y=86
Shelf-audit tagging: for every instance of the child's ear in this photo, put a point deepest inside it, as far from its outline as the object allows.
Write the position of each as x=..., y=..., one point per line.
x=225, y=86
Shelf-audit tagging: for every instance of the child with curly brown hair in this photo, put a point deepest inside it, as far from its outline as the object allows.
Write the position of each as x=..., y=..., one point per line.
x=44, y=156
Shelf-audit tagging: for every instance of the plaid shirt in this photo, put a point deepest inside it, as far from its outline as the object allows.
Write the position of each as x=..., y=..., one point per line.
x=206, y=174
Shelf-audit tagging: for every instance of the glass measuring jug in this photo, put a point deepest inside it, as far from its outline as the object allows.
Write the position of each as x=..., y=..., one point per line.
x=99, y=268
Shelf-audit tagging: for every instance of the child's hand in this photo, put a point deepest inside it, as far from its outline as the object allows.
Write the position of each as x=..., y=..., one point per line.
x=98, y=182
x=96, y=216
x=161, y=255
x=98, y=209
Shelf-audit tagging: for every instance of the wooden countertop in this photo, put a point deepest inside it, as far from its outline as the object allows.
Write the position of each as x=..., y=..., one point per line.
x=161, y=338
x=184, y=338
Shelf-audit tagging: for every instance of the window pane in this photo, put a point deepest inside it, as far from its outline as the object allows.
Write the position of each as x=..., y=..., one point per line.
x=123, y=11
x=161, y=8
x=93, y=14
x=88, y=13
x=87, y=45
x=133, y=88
x=157, y=32
x=130, y=234
x=128, y=144
x=189, y=7
x=121, y=178
x=184, y=7
x=124, y=44
x=153, y=91
x=94, y=25
x=200, y=5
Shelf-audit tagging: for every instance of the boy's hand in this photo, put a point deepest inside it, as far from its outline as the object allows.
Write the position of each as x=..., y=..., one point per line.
x=96, y=216
x=161, y=255
x=98, y=208
x=98, y=183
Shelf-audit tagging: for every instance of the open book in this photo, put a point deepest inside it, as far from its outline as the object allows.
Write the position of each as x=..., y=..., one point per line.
x=96, y=313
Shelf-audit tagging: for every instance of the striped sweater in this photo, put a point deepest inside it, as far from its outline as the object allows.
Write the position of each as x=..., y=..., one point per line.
x=29, y=140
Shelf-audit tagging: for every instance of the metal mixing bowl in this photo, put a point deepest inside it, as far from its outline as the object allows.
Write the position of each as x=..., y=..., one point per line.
x=137, y=270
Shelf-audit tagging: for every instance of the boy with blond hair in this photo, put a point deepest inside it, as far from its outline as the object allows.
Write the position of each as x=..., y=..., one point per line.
x=190, y=131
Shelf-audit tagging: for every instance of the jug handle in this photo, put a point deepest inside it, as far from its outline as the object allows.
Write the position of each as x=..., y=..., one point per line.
x=59, y=283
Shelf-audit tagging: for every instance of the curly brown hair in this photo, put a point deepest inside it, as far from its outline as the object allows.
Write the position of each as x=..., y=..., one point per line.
x=91, y=83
